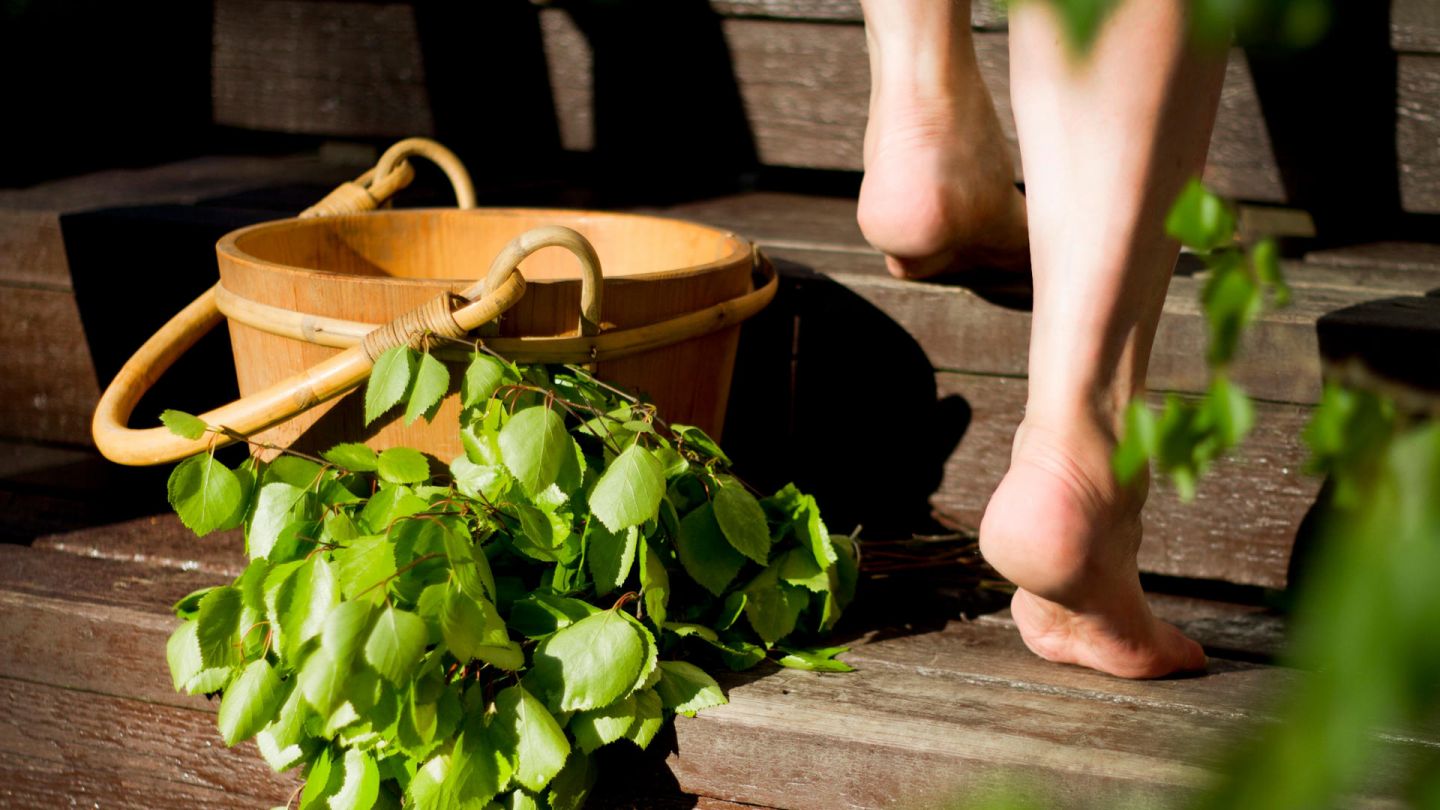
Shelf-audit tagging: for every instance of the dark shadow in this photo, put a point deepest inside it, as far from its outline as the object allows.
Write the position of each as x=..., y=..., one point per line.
x=488, y=84
x=1330, y=111
x=93, y=84
x=132, y=269
x=832, y=394
x=669, y=121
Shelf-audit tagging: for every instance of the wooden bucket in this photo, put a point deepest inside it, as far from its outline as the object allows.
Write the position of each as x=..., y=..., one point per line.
x=312, y=302
x=376, y=267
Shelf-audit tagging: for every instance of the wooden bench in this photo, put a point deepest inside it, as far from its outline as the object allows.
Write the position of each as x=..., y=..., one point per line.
x=946, y=700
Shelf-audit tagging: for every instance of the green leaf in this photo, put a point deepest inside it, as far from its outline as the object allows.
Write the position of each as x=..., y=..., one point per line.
x=540, y=613
x=797, y=567
x=250, y=702
x=603, y=726
x=360, y=782
x=1265, y=258
x=275, y=508
x=1231, y=412
x=344, y=627
x=183, y=424
x=697, y=440
x=298, y=598
x=282, y=743
x=704, y=552
x=629, y=491
x=817, y=660
x=478, y=768
x=528, y=729
x=742, y=520
x=685, y=688
x=322, y=680
x=364, y=566
x=472, y=628
x=1200, y=220
x=396, y=643
x=610, y=555
x=218, y=628
x=432, y=380
x=571, y=787
x=771, y=607
x=482, y=378
x=649, y=717
x=354, y=457
x=427, y=789
x=401, y=465
x=205, y=494
x=182, y=652
x=654, y=584
x=534, y=444
x=469, y=566
x=1231, y=301
x=591, y=663
x=389, y=380
x=1138, y=444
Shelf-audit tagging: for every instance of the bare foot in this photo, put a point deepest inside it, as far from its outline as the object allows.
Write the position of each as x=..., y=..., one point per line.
x=1061, y=528
x=939, y=193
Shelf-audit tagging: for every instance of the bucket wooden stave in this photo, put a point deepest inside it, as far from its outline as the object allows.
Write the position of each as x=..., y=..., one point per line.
x=374, y=267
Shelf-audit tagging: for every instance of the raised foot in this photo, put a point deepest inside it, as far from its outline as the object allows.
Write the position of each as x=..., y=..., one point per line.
x=938, y=195
x=1066, y=533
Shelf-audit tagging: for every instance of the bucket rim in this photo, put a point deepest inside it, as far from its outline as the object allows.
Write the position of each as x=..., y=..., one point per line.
x=227, y=246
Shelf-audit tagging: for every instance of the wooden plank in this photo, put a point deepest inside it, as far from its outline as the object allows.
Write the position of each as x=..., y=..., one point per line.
x=48, y=388
x=139, y=754
x=1240, y=528
x=985, y=15
x=48, y=385
x=934, y=716
x=351, y=69
x=1415, y=26
x=1420, y=257
x=806, y=85
x=158, y=540
x=1369, y=334
x=959, y=331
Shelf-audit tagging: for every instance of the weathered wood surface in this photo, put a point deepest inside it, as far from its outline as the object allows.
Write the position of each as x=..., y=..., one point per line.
x=356, y=69
x=1240, y=528
x=83, y=681
x=806, y=85
x=961, y=332
x=931, y=717
x=48, y=385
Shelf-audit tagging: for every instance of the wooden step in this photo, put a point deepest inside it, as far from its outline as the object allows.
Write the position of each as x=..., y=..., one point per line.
x=789, y=79
x=954, y=364
x=90, y=706
x=48, y=381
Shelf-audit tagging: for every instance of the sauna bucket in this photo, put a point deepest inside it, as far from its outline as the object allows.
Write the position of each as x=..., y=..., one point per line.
x=312, y=301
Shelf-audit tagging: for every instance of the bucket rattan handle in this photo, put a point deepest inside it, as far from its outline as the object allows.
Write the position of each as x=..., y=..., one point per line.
x=479, y=304
x=329, y=379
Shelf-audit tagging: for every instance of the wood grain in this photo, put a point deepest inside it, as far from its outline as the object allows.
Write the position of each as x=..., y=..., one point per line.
x=47, y=382
x=930, y=717
x=1240, y=528
x=139, y=754
x=326, y=68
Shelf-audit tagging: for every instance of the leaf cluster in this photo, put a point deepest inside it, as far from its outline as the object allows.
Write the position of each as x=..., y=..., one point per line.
x=1187, y=435
x=468, y=635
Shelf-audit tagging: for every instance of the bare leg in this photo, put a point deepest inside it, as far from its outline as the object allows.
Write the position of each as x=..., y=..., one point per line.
x=939, y=193
x=1107, y=145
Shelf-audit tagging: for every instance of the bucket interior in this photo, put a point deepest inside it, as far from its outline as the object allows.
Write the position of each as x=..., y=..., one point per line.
x=459, y=245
